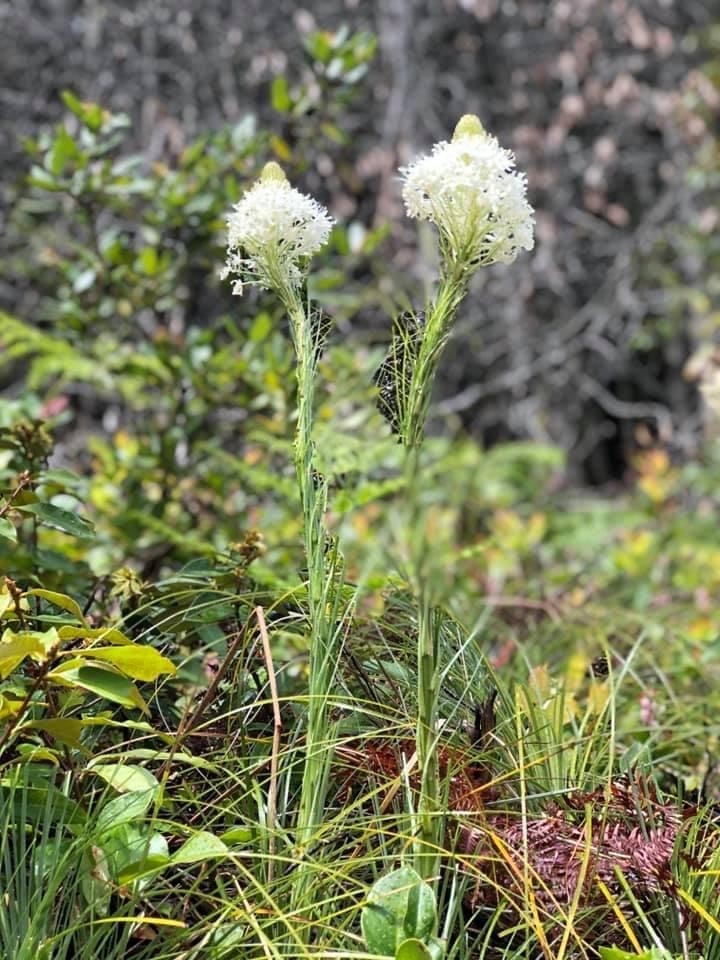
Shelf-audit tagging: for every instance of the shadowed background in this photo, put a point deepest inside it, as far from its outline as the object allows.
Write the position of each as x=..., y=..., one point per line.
x=583, y=343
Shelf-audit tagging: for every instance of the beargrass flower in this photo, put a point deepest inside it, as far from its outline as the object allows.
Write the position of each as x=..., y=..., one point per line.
x=273, y=231
x=470, y=190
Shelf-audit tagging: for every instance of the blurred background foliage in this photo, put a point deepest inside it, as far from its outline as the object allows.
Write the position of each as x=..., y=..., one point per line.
x=610, y=107
x=140, y=395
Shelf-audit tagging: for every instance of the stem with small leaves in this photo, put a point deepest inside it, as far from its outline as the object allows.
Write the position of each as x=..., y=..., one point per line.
x=439, y=320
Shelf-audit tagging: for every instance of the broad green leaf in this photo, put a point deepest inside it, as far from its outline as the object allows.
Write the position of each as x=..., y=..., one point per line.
x=140, y=663
x=126, y=778
x=125, y=808
x=7, y=529
x=400, y=907
x=105, y=683
x=64, y=729
x=413, y=949
x=59, y=600
x=139, y=859
x=61, y=519
x=61, y=477
x=201, y=846
x=319, y=45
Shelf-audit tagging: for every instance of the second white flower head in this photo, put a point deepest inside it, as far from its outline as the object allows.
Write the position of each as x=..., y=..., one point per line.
x=470, y=190
x=273, y=231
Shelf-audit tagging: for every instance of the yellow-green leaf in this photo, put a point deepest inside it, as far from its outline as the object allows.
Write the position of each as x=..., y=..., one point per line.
x=32, y=754
x=108, y=634
x=64, y=729
x=6, y=599
x=59, y=600
x=9, y=707
x=280, y=148
x=93, y=678
x=14, y=647
x=140, y=663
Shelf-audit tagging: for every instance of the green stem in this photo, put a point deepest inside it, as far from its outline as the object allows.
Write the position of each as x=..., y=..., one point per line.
x=324, y=567
x=431, y=822
x=438, y=324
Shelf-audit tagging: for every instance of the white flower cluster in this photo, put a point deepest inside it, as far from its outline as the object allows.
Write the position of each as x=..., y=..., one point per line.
x=470, y=191
x=272, y=233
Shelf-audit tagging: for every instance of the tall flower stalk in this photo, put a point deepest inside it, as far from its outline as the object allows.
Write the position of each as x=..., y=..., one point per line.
x=272, y=233
x=469, y=190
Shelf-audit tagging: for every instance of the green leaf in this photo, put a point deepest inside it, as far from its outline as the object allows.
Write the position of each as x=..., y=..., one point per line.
x=108, y=634
x=126, y=778
x=319, y=45
x=437, y=948
x=60, y=477
x=106, y=684
x=134, y=855
x=63, y=729
x=62, y=150
x=125, y=808
x=7, y=529
x=333, y=132
x=261, y=327
x=201, y=846
x=280, y=95
x=413, y=950
x=88, y=113
x=43, y=180
x=59, y=600
x=149, y=261
x=237, y=835
x=61, y=519
x=140, y=663
x=400, y=907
